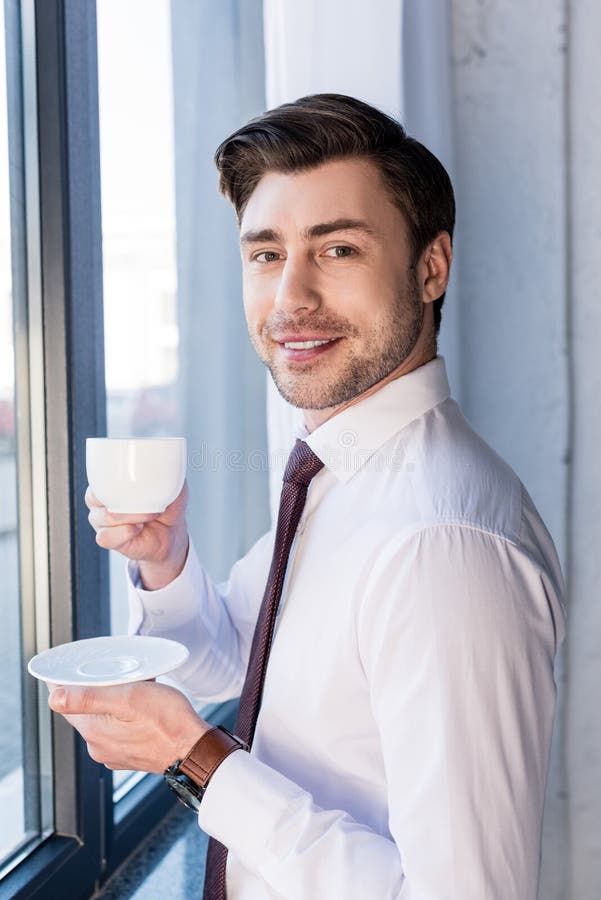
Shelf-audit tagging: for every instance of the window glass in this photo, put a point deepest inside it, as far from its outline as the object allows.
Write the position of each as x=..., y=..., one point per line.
x=12, y=815
x=138, y=231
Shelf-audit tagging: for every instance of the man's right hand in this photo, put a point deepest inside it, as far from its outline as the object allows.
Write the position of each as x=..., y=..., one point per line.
x=157, y=541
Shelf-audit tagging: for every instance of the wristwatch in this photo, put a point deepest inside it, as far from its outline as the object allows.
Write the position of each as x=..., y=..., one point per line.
x=188, y=778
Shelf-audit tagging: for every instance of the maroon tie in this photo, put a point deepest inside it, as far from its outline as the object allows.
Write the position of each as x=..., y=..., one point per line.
x=302, y=465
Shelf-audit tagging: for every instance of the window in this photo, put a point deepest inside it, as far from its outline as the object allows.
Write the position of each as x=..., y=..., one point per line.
x=120, y=313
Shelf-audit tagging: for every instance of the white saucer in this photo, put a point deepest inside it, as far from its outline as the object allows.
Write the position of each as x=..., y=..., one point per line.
x=101, y=661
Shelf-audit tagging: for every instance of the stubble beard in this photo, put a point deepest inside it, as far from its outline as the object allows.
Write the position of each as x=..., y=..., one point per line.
x=387, y=346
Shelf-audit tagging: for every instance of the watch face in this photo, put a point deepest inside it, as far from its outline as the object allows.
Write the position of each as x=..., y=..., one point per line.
x=186, y=794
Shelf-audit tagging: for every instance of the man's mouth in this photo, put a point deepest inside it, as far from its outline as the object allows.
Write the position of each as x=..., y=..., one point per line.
x=303, y=350
x=305, y=345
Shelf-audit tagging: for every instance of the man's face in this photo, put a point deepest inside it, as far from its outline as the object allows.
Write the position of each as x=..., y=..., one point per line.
x=326, y=257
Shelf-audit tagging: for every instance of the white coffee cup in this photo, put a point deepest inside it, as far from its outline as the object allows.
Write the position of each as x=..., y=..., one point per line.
x=136, y=475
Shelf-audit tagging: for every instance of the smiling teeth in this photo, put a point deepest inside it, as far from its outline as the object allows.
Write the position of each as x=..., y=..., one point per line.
x=305, y=345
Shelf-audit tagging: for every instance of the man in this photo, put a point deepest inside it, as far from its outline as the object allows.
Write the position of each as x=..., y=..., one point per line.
x=402, y=743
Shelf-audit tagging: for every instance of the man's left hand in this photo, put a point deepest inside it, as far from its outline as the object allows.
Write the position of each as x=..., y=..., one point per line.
x=143, y=726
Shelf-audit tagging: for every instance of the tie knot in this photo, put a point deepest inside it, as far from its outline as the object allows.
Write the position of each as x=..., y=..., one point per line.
x=302, y=464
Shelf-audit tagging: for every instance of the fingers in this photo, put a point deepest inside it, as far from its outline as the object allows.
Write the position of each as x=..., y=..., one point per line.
x=76, y=701
x=121, y=701
x=114, y=530
x=91, y=499
x=99, y=517
x=116, y=537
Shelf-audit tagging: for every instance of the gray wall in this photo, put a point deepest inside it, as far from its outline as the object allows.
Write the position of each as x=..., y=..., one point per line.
x=527, y=124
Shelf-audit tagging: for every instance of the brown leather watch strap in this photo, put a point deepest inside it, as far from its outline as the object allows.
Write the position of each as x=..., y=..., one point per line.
x=207, y=754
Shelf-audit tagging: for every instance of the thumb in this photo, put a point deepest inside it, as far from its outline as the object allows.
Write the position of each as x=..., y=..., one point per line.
x=57, y=699
x=84, y=701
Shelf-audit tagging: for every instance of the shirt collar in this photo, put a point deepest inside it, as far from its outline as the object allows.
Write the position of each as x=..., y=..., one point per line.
x=346, y=441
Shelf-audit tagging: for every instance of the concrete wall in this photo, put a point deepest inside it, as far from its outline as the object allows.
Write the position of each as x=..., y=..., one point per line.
x=527, y=121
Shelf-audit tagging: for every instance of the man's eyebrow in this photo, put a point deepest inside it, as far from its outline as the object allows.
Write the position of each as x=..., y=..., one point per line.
x=263, y=235
x=337, y=225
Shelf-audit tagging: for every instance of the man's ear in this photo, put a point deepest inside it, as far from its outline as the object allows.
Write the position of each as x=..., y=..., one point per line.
x=436, y=267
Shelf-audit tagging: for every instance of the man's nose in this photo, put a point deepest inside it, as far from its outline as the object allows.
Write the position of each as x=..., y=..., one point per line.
x=297, y=288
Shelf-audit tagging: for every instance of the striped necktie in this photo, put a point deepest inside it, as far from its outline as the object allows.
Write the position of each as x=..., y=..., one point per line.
x=302, y=465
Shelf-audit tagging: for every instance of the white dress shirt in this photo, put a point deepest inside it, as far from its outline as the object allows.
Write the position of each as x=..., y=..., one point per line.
x=402, y=745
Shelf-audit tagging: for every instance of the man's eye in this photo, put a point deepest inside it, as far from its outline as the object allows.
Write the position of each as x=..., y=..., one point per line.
x=266, y=256
x=339, y=252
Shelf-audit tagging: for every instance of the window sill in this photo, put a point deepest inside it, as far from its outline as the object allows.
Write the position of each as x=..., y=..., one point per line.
x=169, y=863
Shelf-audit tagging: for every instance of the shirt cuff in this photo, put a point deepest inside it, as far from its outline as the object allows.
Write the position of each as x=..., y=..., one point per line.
x=179, y=598
x=242, y=805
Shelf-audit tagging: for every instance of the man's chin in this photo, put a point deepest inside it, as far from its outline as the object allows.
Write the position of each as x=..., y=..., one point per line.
x=304, y=399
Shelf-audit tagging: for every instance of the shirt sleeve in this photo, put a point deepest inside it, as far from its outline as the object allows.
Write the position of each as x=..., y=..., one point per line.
x=214, y=621
x=457, y=633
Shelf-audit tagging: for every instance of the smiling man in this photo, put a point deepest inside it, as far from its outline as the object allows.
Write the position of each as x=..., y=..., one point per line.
x=393, y=639
x=324, y=263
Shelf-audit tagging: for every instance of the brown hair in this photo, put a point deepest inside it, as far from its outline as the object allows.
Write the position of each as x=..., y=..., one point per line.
x=322, y=127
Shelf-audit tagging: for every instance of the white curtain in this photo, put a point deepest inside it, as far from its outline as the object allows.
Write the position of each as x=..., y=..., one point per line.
x=218, y=83
x=357, y=48
x=339, y=46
